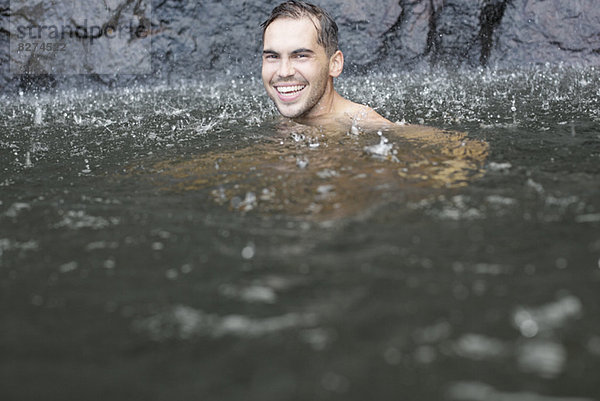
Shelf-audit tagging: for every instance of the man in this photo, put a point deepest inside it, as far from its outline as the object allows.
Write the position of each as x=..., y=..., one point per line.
x=299, y=62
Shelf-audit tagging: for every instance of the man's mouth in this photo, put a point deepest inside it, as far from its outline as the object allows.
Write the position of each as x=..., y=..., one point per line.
x=289, y=92
x=289, y=89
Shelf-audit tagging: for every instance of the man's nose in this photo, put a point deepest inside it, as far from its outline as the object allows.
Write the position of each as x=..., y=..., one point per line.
x=286, y=68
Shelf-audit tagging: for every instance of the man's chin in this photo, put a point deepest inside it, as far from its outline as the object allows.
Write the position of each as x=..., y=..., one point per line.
x=285, y=112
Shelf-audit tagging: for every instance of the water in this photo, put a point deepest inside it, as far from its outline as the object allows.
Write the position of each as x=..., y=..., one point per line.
x=179, y=242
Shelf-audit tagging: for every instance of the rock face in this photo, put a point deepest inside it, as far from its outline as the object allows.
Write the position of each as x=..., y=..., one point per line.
x=168, y=39
x=548, y=31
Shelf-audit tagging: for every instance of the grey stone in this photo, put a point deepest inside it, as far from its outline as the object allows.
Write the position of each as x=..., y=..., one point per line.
x=457, y=32
x=193, y=38
x=550, y=31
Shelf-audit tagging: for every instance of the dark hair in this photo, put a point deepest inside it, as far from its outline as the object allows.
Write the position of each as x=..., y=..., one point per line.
x=327, y=30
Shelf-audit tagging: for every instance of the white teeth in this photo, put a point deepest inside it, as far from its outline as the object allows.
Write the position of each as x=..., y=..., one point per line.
x=289, y=89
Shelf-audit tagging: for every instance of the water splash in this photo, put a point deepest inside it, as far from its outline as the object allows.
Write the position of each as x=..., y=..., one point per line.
x=38, y=118
x=383, y=150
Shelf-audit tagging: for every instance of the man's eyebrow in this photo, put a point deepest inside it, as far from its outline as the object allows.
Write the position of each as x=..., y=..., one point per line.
x=297, y=51
x=303, y=50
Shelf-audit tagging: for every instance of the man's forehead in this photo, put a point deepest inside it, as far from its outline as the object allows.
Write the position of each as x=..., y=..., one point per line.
x=285, y=29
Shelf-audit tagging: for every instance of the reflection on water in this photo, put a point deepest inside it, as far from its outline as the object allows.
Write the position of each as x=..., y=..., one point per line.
x=475, y=391
x=324, y=174
x=184, y=323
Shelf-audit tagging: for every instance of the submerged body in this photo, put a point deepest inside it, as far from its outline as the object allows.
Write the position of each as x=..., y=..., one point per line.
x=322, y=173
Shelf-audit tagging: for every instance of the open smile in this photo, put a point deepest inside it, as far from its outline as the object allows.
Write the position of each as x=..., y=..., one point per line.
x=289, y=93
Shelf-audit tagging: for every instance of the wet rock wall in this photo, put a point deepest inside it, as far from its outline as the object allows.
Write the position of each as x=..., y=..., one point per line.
x=181, y=39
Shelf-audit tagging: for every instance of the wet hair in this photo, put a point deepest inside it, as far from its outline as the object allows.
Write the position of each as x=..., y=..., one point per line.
x=327, y=29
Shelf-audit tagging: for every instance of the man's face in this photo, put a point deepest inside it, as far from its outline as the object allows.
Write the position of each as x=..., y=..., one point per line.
x=295, y=68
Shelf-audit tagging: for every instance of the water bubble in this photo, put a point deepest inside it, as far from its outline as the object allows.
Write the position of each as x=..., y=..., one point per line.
x=109, y=264
x=267, y=194
x=325, y=189
x=37, y=300
x=327, y=173
x=593, y=345
x=172, y=274
x=528, y=327
x=219, y=195
x=425, y=354
x=334, y=382
x=392, y=356
x=542, y=357
x=537, y=187
x=68, y=267
x=562, y=263
x=588, y=218
x=248, y=251
x=16, y=208
x=503, y=167
x=548, y=317
x=479, y=347
x=257, y=293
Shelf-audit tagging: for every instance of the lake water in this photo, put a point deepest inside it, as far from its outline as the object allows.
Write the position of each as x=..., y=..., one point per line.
x=181, y=242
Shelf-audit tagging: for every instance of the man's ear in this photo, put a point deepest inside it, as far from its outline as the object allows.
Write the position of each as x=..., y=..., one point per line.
x=336, y=64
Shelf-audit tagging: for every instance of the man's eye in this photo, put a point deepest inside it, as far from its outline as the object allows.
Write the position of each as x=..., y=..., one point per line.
x=270, y=56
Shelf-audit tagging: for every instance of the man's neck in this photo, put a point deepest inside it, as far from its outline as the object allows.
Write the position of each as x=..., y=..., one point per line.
x=333, y=109
x=326, y=107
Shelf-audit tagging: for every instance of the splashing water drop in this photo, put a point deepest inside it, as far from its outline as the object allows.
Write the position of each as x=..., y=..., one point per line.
x=39, y=116
x=87, y=167
x=247, y=204
x=301, y=162
x=382, y=150
x=297, y=137
x=28, y=163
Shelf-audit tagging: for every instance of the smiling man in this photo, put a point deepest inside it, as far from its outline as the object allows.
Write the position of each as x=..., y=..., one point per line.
x=300, y=60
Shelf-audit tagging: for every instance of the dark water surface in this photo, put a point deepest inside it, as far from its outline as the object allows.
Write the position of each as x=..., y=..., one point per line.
x=179, y=242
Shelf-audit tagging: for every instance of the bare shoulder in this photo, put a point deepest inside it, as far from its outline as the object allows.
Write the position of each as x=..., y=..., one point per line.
x=364, y=115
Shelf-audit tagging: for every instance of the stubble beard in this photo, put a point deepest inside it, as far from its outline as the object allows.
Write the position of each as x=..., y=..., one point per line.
x=318, y=88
